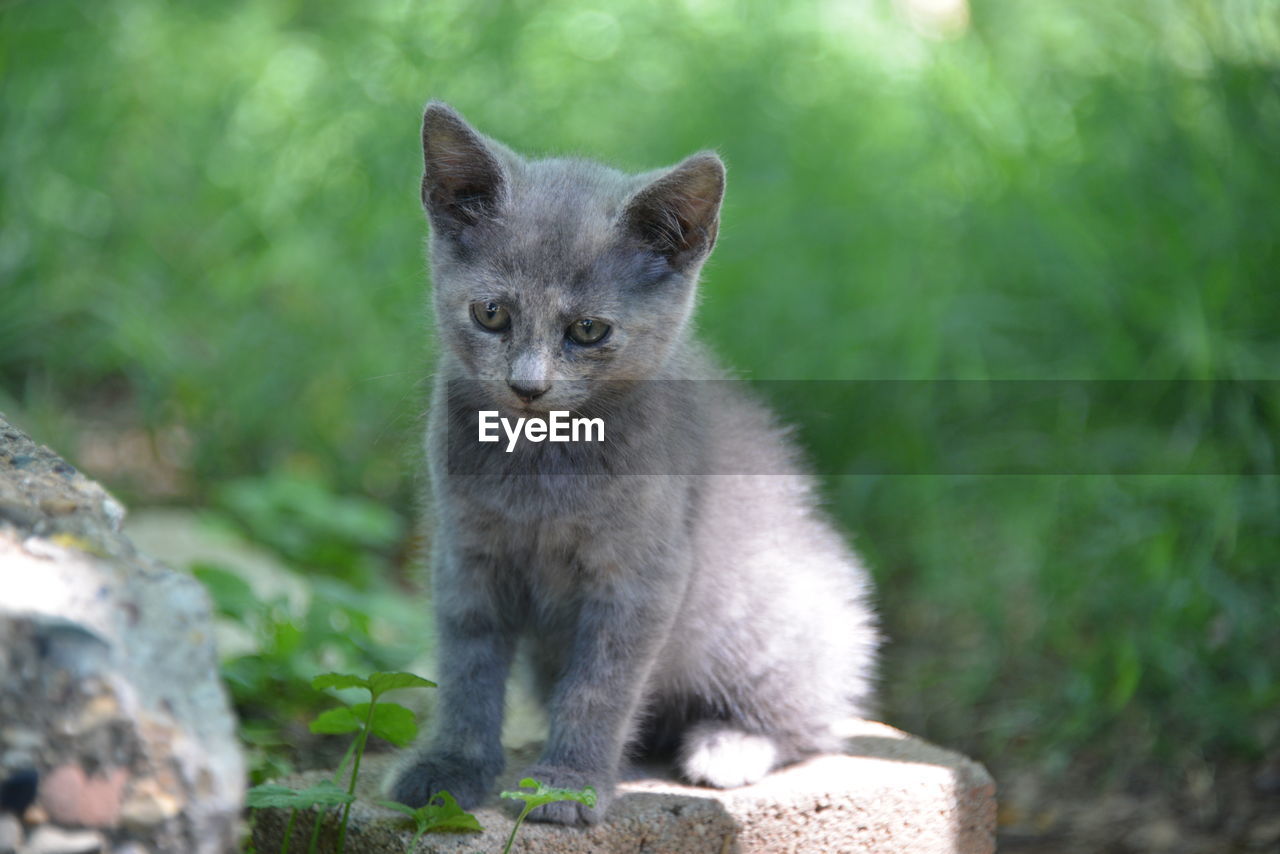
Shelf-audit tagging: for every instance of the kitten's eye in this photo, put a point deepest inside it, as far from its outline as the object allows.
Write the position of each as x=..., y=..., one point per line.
x=491, y=315
x=587, y=331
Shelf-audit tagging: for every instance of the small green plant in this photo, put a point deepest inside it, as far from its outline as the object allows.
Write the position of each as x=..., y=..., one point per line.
x=396, y=724
x=390, y=721
x=446, y=815
x=323, y=794
x=540, y=796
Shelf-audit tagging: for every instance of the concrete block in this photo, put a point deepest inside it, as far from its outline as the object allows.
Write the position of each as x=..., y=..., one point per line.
x=890, y=794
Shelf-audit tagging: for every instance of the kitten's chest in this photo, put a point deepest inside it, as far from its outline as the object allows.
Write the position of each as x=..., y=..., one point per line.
x=534, y=506
x=543, y=568
x=533, y=483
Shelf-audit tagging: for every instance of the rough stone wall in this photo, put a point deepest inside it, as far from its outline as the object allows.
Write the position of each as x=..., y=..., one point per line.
x=115, y=732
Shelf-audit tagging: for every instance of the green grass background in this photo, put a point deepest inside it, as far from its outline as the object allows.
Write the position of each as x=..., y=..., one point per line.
x=210, y=224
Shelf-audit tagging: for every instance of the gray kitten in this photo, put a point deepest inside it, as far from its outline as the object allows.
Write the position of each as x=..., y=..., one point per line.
x=664, y=606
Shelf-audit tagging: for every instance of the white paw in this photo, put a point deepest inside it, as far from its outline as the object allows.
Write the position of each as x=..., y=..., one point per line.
x=715, y=755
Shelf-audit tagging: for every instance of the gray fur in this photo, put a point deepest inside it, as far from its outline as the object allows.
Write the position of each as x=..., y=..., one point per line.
x=721, y=616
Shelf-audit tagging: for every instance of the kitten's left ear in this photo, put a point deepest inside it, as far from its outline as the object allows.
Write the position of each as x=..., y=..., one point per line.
x=678, y=215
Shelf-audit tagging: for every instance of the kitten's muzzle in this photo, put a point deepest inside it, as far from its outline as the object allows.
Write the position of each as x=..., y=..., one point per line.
x=527, y=391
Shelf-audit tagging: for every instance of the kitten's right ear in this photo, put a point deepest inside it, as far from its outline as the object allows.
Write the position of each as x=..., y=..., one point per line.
x=462, y=181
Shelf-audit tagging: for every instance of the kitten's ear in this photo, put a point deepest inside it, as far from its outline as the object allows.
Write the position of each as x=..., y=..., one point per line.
x=462, y=180
x=678, y=214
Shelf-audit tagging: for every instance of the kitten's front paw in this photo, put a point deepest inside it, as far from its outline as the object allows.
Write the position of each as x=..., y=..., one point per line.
x=419, y=780
x=570, y=813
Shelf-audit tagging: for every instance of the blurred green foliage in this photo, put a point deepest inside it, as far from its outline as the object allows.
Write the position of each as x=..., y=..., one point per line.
x=334, y=605
x=210, y=218
x=306, y=524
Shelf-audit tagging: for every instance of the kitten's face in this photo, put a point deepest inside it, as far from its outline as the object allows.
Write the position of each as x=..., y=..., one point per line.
x=551, y=276
x=551, y=293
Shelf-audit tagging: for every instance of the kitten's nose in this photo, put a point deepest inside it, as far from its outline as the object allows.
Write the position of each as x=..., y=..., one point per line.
x=528, y=391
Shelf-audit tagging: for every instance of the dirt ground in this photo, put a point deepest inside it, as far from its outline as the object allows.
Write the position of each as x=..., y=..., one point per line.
x=1232, y=809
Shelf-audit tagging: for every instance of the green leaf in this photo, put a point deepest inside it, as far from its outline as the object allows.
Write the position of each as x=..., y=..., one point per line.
x=446, y=815
x=543, y=794
x=380, y=683
x=246, y=674
x=322, y=794
x=231, y=594
x=259, y=734
x=391, y=721
x=337, y=681
x=1128, y=673
x=270, y=795
x=339, y=720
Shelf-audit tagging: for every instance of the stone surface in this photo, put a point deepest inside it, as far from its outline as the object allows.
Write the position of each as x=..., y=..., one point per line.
x=890, y=793
x=48, y=839
x=109, y=687
x=11, y=835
